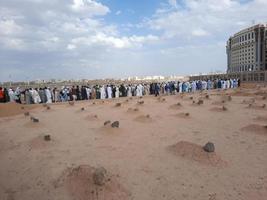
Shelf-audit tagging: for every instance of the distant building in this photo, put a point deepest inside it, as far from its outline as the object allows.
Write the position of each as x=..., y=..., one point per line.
x=247, y=50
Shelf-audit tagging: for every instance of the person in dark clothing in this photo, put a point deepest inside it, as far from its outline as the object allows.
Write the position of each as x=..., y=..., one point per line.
x=157, y=89
x=6, y=95
x=113, y=91
x=78, y=92
x=83, y=93
x=123, y=92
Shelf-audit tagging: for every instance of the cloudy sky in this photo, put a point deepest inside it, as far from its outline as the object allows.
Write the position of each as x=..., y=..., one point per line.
x=41, y=39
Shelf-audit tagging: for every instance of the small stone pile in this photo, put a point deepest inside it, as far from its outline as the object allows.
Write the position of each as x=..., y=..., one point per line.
x=115, y=124
x=118, y=105
x=200, y=102
x=35, y=120
x=141, y=102
x=99, y=176
x=224, y=108
x=209, y=147
x=107, y=122
x=26, y=114
x=47, y=137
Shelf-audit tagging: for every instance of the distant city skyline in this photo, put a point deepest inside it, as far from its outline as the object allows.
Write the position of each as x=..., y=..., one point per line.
x=90, y=39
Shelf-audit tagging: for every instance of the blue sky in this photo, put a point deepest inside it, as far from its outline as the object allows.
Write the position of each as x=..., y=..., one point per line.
x=71, y=39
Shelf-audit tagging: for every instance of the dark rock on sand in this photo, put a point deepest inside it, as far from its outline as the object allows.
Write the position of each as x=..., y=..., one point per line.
x=209, y=147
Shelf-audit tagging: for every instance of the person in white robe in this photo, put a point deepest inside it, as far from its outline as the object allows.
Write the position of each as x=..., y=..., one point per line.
x=102, y=93
x=88, y=92
x=129, y=91
x=139, y=90
x=35, y=96
x=117, y=93
x=11, y=95
x=194, y=86
x=48, y=95
x=109, y=91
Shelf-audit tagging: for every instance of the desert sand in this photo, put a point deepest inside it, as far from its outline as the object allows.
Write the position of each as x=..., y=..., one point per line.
x=155, y=154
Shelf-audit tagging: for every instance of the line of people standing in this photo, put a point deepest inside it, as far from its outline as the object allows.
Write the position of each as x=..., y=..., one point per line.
x=76, y=93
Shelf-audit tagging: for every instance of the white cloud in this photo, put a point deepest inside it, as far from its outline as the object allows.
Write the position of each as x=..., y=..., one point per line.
x=199, y=32
x=73, y=36
x=71, y=47
x=91, y=7
x=216, y=18
x=115, y=42
x=173, y=3
x=118, y=12
x=9, y=26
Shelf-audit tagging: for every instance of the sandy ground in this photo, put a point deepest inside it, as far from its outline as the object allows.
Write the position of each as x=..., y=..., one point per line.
x=155, y=154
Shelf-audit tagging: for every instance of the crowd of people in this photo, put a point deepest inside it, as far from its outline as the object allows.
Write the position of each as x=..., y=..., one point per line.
x=76, y=93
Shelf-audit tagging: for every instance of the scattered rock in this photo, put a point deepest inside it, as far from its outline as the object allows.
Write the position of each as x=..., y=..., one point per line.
x=48, y=107
x=209, y=147
x=147, y=116
x=264, y=106
x=229, y=98
x=107, y=122
x=99, y=176
x=22, y=107
x=26, y=114
x=115, y=124
x=118, y=105
x=224, y=108
x=207, y=96
x=200, y=102
x=223, y=101
x=35, y=120
x=44, y=105
x=82, y=109
x=191, y=98
x=71, y=103
x=140, y=102
x=47, y=137
x=187, y=114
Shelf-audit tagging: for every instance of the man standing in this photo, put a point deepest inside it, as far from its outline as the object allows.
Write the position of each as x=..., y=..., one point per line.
x=109, y=91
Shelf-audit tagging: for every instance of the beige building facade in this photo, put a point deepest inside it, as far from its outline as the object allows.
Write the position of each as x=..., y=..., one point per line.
x=247, y=50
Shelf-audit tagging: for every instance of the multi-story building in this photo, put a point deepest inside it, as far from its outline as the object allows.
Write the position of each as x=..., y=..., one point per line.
x=247, y=50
